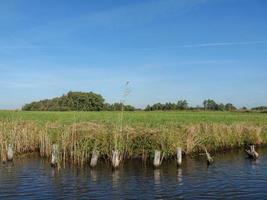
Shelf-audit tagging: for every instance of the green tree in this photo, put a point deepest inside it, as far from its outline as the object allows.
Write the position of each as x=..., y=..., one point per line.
x=210, y=105
x=221, y=107
x=81, y=101
x=230, y=107
x=182, y=105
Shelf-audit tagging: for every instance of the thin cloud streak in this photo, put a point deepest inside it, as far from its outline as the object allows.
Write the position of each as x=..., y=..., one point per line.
x=217, y=44
x=199, y=45
x=208, y=44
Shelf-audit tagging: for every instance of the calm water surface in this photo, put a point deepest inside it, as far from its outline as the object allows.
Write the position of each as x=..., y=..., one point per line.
x=231, y=177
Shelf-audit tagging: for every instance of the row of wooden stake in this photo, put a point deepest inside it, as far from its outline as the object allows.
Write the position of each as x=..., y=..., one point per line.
x=117, y=157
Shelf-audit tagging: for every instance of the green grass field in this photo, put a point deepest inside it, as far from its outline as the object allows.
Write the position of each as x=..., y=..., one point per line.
x=150, y=119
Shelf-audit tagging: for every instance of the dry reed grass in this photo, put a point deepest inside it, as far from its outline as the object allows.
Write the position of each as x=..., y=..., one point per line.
x=78, y=140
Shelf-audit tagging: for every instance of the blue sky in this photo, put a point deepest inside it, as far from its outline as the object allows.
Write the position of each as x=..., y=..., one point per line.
x=167, y=49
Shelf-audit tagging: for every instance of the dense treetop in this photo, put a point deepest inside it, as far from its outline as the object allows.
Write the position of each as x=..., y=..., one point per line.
x=183, y=105
x=89, y=101
x=72, y=101
x=260, y=108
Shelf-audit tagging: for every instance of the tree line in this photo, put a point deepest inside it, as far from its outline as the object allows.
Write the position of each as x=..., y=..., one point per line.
x=208, y=104
x=180, y=105
x=260, y=108
x=76, y=101
x=89, y=101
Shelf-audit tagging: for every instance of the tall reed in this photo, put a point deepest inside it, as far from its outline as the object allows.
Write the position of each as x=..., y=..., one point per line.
x=78, y=140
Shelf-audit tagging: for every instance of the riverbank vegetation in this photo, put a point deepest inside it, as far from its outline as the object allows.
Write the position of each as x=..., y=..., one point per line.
x=79, y=133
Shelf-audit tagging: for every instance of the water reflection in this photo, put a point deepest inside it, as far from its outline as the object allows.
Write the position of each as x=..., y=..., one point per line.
x=157, y=175
x=232, y=176
x=116, y=184
x=180, y=176
x=93, y=173
x=9, y=166
x=254, y=163
x=115, y=178
x=53, y=172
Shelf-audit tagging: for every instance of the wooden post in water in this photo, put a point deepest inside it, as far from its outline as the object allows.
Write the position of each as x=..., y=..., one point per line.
x=94, y=158
x=179, y=156
x=115, y=159
x=54, y=159
x=252, y=153
x=10, y=152
x=209, y=158
x=157, y=158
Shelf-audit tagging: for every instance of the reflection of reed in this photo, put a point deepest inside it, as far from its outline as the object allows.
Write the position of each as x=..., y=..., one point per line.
x=180, y=176
x=191, y=163
x=254, y=164
x=93, y=175
x=53, y=172
x=157, y=176
x=9, y=167
x=115, y=178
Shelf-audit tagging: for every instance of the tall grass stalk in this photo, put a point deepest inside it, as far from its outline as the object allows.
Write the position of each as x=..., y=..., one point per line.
x=78, y=140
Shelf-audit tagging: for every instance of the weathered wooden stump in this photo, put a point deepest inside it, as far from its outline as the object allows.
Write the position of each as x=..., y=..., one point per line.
x=179, y=156
x=116, y=158
x=158, y=158
x=209, y=158
x=10, y=152
x=55, y=154
x=251, y=152
x=94, y=158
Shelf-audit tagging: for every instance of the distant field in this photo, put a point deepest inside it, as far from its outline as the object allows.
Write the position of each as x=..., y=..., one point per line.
x=152, y=119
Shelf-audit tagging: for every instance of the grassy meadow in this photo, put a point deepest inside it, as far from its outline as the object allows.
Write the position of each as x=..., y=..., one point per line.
x=141, y=133
x=153, y=119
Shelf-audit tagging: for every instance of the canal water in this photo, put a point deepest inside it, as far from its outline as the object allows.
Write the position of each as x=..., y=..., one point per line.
x=231, y=177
